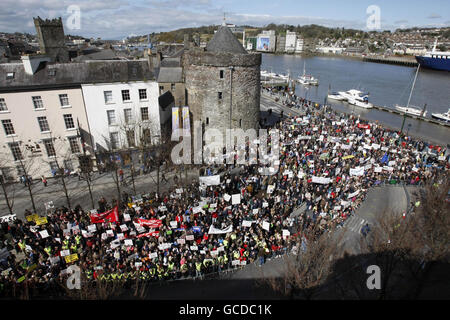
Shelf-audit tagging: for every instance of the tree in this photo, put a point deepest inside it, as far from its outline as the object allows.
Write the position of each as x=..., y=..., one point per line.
x=22, y=156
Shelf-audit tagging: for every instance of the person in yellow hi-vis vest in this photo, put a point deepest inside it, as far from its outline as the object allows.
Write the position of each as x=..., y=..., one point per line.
x=198, y=269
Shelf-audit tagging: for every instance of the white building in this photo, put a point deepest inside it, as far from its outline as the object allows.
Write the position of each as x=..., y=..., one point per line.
x=335, y=50
x=122, y=115
x=291, y=41
x=299, y=46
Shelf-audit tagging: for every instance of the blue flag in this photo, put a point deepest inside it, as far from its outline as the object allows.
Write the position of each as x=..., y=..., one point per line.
x=385, y=158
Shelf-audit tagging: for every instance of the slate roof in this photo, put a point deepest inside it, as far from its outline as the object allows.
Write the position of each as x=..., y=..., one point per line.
x=170, y=75
x=72, y=74
x=225, y=41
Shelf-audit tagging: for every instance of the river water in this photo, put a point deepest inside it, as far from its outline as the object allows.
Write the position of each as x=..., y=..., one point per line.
x=387, y=85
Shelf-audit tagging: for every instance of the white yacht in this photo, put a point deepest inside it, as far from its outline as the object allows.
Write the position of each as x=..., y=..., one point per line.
x=362, y=104
x=413, y=111
x=354, y=95
x=336, y=96
x=307, y=79
x=442, y=116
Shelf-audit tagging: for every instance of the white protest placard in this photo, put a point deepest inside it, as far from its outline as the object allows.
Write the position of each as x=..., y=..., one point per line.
x=266, y=225
x=190, y=238
x=378, y=169
x=110, y=233
x=226, y=197
x=138, y=264
x=358, y=171
x=126, y=217
x=64, y=253
x=153, y=255
x=270, y=188
x=286, y=233
x=179, y=191
x=210, y=180
x=321, y=180
x=54, y=260
x=123, y=227
x=202, y=252
x=351, y=195
x=173, y=224
x=193, y=248
x=44, y=234
x=92, y=228
x=181, y=241
x=235, y=262
x=265, y=204
x=120, y=236
x=128, y=242
x=246, y=223
x=243, y=263
x=236, y=198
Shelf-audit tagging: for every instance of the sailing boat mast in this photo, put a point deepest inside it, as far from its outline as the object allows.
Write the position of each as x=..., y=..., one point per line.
x=414, y=83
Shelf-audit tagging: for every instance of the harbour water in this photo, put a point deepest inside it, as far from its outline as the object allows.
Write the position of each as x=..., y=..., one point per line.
x=387, y=85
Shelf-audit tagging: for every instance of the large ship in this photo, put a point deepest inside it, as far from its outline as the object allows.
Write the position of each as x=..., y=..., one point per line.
x=435, y=59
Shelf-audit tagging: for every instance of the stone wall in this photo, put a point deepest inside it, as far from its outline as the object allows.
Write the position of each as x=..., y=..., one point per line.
x=203, y=84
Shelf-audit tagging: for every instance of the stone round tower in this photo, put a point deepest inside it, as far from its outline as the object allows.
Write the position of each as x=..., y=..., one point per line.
x=223, y=83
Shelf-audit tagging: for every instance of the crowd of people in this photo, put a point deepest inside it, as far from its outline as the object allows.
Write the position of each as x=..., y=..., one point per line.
x=327, y=163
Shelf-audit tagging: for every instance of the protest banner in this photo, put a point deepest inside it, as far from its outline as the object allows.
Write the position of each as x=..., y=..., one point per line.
x=214, y=230
x=108, y=216
x=210, y=180
x=351, y=195
x=321, y=180
x=41, y=221
x=32, y=217
x=358, y=171
x=149, y=234
x=190, y=238
x=8, y=218
x=71, y=258
x=246, y=223
x=150, y=223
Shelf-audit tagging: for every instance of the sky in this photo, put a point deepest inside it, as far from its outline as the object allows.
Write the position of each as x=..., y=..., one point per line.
x=118, y=19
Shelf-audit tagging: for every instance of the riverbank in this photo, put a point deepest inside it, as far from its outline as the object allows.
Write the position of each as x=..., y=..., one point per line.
x=430, y=140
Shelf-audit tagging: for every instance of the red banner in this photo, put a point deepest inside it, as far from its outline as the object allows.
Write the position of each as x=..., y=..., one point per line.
x=149, y=234
x=108, y=216
x=152, y=223
x=363, y=126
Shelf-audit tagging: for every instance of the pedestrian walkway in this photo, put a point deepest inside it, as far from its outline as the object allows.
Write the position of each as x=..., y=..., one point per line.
x=355, y=223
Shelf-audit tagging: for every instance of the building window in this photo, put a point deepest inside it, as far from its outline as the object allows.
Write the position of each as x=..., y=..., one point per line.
x=161, y=89
x=172, y=86
x=68, y=120
x=108, y=96
x=126, y=95
x=15, y=150
x=220, y=95
x=111, y=117
x=74, y=146
x=10, y=75
x=240, y=123
x=64, y=100
x=3, y=106
x=43, y=124
x=128, y=115
x=8, y=126
x=207, y=121
x=37, y=101
x=144, y=114
x=142, y=94
x=114, y=139
x=131, y=138
x=221, y=74
x=50, y=148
